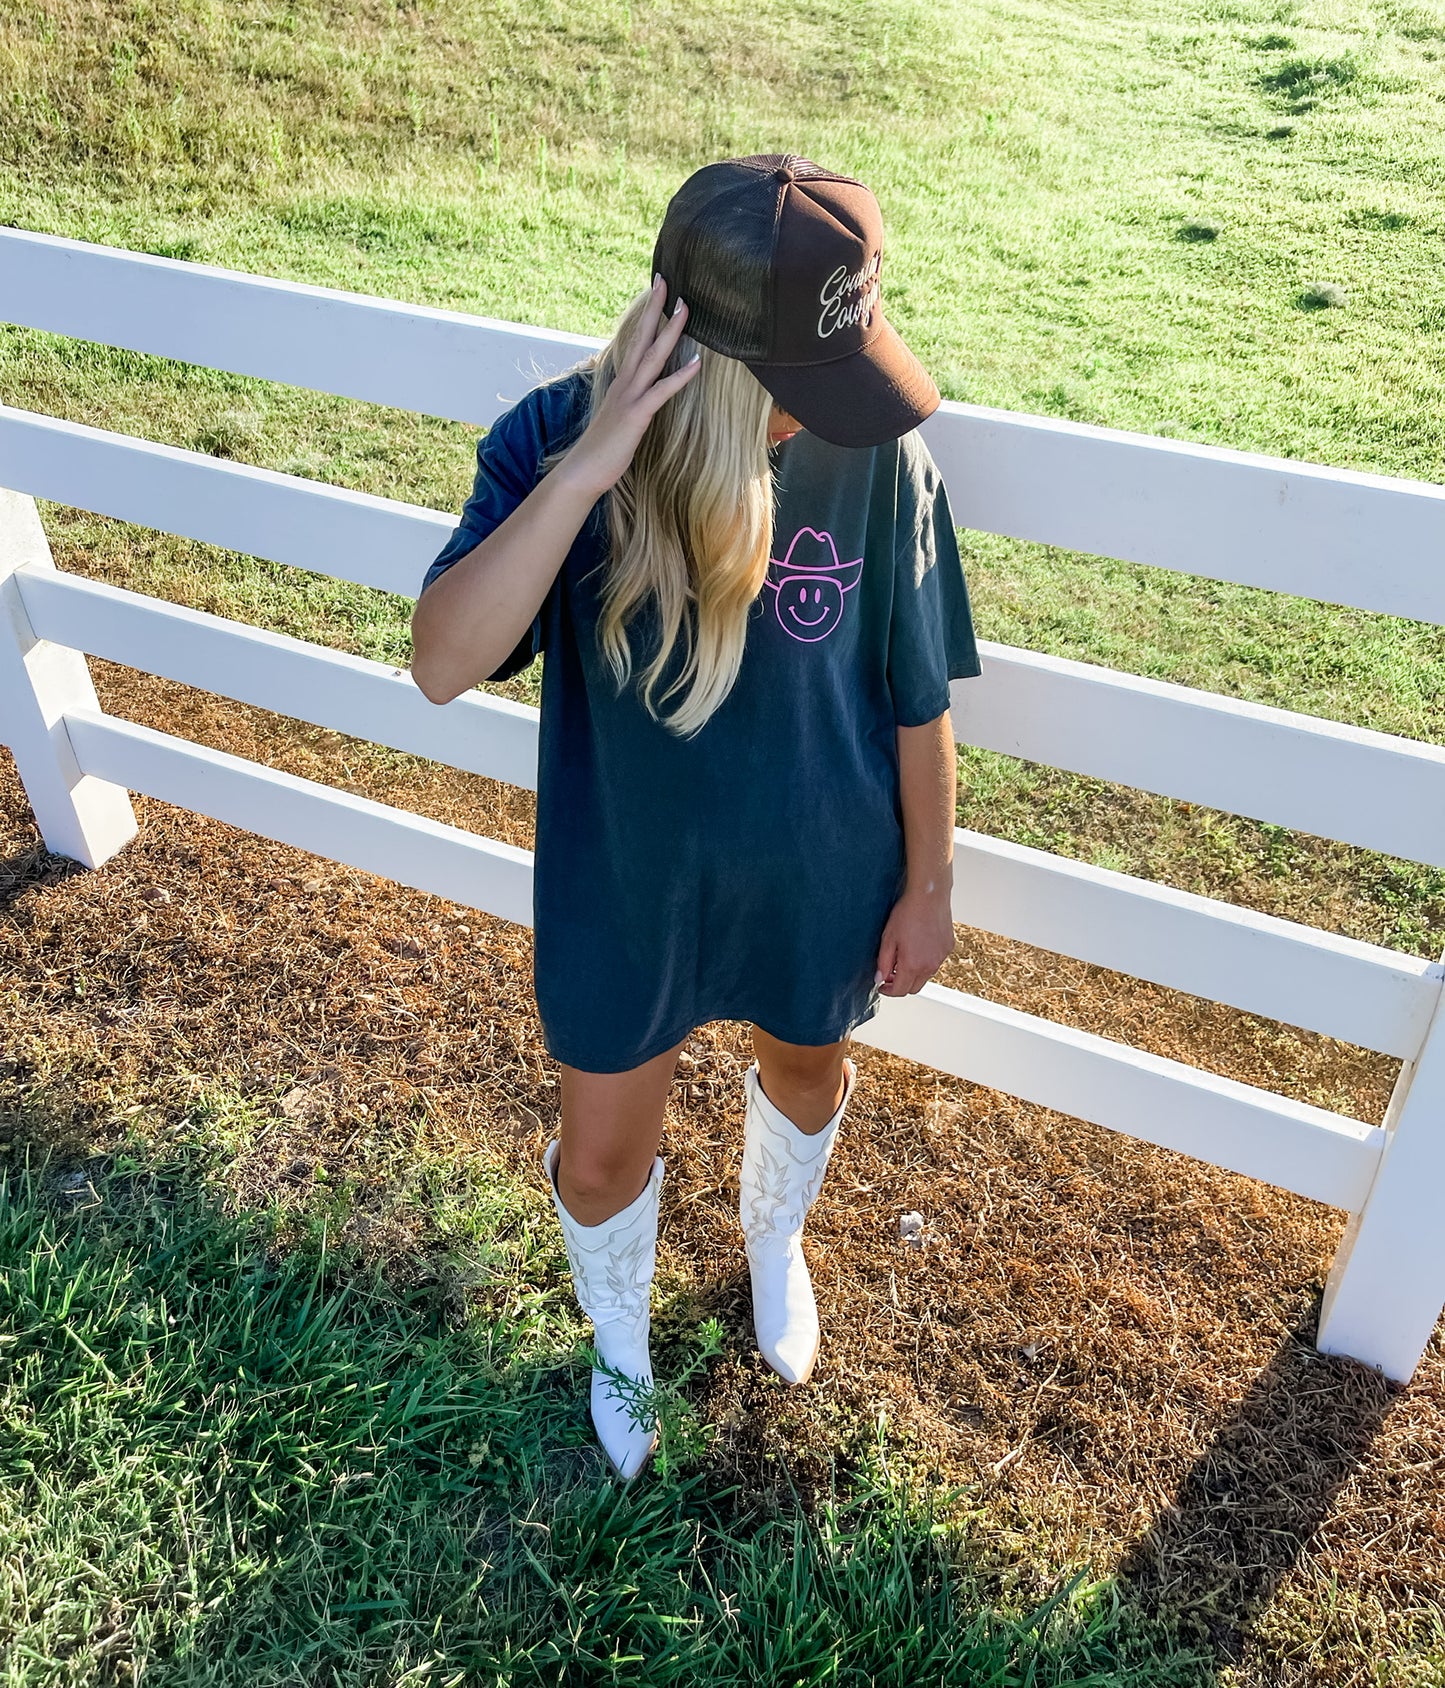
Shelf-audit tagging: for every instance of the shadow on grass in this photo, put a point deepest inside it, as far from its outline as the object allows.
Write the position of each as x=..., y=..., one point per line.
x=226, y=1460
x=1256, y=1497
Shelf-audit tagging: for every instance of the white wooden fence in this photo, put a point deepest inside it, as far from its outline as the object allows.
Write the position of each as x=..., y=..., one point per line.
x=1352, y=539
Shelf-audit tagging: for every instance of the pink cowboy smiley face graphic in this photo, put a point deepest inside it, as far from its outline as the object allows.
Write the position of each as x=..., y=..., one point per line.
x=808, y=585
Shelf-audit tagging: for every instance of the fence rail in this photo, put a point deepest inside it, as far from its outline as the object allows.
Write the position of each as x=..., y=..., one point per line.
x=1360, y=993
x=1376, y=790
x=1333, y=535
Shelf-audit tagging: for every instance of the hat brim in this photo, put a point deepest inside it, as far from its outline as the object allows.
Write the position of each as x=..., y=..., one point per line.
x=875, y=395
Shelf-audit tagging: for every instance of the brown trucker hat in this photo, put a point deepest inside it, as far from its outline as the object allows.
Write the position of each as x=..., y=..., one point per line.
x=780, y=263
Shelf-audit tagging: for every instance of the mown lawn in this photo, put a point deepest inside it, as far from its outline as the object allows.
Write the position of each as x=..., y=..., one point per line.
x=1217, y=221
x=228, y=1461
x=1116, y=217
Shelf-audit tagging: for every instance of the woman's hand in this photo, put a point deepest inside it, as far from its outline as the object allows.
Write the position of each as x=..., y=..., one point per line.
x=600, y=458
x=917, y=939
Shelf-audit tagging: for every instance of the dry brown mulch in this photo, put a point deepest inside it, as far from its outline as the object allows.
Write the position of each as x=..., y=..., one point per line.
x=1108, y=1341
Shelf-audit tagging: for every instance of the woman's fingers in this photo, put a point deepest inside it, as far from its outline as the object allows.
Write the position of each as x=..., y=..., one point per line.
x=646, y=329
x=661, y=391
x=654, y=359
x=636, y=393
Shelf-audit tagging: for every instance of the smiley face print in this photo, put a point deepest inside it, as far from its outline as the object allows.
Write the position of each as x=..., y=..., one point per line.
x=808, y=585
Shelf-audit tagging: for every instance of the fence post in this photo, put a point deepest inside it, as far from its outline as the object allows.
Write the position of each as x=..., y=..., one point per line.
x=1387, y=1284
x=85, y=818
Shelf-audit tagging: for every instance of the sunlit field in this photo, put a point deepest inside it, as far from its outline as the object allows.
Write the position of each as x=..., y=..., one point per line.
x=292, y=1387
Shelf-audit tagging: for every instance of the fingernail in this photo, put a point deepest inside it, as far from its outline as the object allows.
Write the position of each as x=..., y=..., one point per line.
x=877, y=978
x=657, y=278
x=679, y=307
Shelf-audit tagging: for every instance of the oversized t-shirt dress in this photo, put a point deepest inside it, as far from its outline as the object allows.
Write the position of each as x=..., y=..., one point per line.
x=745, y=873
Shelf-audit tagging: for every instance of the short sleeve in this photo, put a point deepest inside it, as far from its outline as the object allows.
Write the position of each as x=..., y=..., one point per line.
x=508, y=460
x=931, y=635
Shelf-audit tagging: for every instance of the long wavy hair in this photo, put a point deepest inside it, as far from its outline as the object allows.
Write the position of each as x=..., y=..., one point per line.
x=690, y=526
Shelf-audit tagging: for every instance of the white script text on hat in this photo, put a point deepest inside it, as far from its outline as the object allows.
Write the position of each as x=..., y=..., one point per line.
x=837, y=313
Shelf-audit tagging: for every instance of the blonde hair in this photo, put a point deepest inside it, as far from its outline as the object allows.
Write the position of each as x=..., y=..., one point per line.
x=690, y=525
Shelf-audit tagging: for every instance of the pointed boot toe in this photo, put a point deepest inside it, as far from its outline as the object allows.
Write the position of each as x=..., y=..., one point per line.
x=792, y=1360
x=627, y=1444
x=790, y=1349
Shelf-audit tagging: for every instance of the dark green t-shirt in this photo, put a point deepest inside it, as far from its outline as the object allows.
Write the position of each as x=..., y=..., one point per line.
x=745, y=873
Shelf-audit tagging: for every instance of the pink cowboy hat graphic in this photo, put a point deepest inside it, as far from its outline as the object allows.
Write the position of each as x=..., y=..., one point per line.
x=808, y=594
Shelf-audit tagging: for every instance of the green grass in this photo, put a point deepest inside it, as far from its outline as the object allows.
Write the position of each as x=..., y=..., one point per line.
x=1131, y=219
x=223, y=1460
x=1216, y=220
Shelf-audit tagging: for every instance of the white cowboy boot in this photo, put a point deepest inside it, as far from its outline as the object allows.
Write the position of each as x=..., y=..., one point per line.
x=612, y=1266
x=782, y=1172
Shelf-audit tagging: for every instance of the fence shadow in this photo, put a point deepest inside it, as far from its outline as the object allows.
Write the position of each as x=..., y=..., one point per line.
x=29, y=868
x=1255, y=1498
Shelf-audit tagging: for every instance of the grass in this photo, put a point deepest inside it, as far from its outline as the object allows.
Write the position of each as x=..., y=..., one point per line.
x=1136, y=218
x=1178, y=283
x=228, y=1461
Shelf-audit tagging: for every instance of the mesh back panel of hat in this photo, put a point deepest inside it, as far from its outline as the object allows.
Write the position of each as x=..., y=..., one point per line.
x=716, y=250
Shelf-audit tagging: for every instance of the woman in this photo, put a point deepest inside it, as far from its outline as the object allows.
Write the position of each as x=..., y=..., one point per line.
x=732, y=496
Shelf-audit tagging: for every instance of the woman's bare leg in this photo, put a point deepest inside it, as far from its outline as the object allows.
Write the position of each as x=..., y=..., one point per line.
x=803, y=1081
x=611, y=1129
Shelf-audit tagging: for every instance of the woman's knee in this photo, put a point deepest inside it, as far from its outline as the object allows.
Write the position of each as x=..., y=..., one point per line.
x=611, y=1129
x=603, y=1174
x=800, y=1063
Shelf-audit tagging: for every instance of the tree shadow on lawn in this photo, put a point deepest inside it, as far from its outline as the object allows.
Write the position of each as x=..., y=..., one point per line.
x=1257, y=1496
